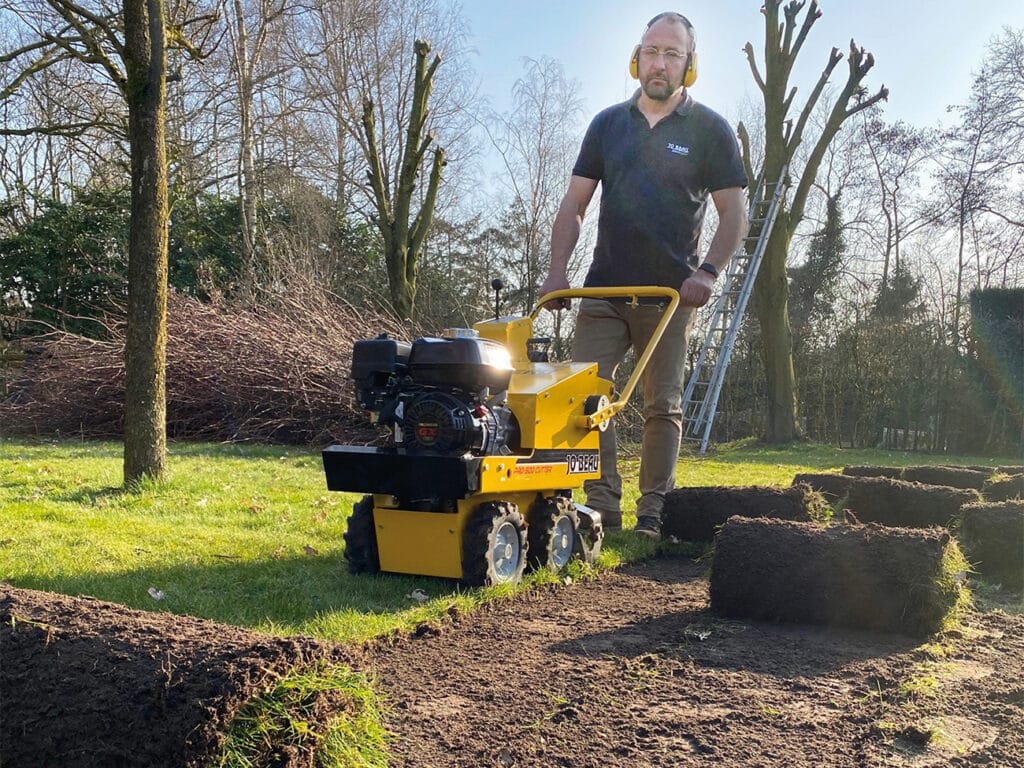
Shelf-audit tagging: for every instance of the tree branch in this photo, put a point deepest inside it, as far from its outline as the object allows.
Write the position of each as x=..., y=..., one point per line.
x=749, y=50
x=834, y=58
x=424, y=218
x=813, y=14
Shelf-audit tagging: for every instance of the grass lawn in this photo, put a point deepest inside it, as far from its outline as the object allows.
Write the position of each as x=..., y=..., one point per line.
x=248, y=535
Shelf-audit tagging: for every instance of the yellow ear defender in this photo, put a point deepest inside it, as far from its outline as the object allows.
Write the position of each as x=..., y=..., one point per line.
x=688, y=79
x=691, y=62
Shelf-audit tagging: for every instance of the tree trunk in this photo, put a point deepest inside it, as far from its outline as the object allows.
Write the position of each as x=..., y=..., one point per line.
x=771, y=297
x=145, y=430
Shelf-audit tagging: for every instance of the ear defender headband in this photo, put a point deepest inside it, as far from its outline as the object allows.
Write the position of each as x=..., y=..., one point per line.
x=691, y=61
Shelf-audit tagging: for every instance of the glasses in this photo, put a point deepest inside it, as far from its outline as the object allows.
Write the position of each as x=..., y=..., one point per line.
x=672, y=56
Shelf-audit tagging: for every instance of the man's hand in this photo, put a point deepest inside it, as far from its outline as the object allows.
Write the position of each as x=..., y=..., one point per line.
x=696, y=289
x=555, y=282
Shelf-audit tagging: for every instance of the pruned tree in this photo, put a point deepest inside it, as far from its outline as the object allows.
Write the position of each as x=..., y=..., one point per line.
x=403, y=239
x=783, y=136
x=129, y=44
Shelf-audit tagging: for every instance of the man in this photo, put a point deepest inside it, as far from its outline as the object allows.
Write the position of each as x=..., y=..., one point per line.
x=658, y=157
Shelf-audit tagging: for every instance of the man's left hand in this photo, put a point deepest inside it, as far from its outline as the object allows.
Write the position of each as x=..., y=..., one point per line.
x=696, y=289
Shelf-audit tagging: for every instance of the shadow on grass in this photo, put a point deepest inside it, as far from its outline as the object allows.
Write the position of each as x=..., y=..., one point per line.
x=281, y=593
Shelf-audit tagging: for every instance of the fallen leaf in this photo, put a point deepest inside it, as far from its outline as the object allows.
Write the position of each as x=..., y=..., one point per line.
x=311, y=551
x=418, y=595
x=155, y=593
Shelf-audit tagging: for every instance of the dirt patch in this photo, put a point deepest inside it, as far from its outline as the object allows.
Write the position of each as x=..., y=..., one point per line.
x=630, y=669
x=89, y=683
x=634, y=670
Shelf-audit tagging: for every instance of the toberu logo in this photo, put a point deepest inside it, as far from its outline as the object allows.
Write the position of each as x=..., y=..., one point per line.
x=678, y=149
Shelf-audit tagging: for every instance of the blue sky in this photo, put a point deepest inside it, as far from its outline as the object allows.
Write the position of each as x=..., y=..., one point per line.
x=924, y=51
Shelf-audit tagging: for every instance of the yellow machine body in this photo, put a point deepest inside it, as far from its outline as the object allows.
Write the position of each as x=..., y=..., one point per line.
x=559, y=408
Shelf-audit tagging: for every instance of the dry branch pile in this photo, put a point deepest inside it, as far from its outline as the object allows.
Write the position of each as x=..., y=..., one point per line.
x=277, y=375
x=869, y=577
x=901, y=504
x=696, y=514
x=89, y=683
x=993, y=539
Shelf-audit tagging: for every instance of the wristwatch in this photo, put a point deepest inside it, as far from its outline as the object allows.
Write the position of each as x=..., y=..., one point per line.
x=710, y=269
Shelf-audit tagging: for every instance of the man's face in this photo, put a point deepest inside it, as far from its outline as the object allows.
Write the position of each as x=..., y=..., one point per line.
x=664, y=52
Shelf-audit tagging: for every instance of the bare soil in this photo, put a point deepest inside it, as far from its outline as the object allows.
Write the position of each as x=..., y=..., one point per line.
x=628, y=669
x=632, y=669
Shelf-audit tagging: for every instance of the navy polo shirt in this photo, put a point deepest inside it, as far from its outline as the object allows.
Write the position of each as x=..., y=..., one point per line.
x=655, y=184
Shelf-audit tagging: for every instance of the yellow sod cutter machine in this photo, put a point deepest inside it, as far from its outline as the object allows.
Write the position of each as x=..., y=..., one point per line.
x=487, y=440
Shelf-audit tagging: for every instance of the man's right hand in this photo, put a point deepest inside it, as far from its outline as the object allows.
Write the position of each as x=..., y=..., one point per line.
x=555, y=283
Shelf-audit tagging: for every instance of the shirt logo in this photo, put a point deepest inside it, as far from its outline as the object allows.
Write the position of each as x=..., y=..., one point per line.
x=678, y=149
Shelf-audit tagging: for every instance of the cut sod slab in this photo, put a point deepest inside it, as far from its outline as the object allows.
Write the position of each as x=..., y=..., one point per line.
x=906, y=505
x=992, y=536
x=868, y=470
x=955, y=477
x=866, y=576
x=695, y=514
x=1002, y=488
x=89, y=683
x=832, y=487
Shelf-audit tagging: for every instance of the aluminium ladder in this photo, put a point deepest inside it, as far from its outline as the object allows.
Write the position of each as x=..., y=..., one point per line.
x=700, y=397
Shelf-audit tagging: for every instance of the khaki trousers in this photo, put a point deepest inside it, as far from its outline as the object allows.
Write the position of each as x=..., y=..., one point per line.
x=605, y=331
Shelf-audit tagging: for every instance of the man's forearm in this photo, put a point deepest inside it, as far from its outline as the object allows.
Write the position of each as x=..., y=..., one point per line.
x=565, y=233
x=732, y=228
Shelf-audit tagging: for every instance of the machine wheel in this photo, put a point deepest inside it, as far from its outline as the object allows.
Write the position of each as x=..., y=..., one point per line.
x=494, y=546
x=361, y=539
x=552, y=533
x=589, y=535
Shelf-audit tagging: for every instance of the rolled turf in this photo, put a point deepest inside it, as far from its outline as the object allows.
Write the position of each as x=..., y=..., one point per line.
x=89, y=683
x=992, y=535
x=868, y=470
x=955, y=477
x=906, y=505
x=1002, y=488
x=832, y=487
x=696, y=514
x=870, y=577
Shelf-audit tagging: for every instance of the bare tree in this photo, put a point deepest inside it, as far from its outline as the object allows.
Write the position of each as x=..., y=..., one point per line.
x=897, y=153
x=537, y=141
x=783, y=42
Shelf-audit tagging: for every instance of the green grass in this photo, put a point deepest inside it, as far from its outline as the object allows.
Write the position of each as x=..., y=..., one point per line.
x=248, y=535
x=289, y=715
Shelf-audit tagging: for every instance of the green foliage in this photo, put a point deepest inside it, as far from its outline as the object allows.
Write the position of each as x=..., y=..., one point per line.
x=996, y=370
x=204, y=245
x=900, y=297
x=812, y=287
x=70, y=261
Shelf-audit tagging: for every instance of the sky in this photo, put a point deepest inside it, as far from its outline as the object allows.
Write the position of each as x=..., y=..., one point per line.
x=925, y=50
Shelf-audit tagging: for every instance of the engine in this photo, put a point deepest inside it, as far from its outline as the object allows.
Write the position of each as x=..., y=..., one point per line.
x=438, y=395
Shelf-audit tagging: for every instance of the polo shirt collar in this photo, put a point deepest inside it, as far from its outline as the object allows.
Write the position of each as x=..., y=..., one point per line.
x=684, y=106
